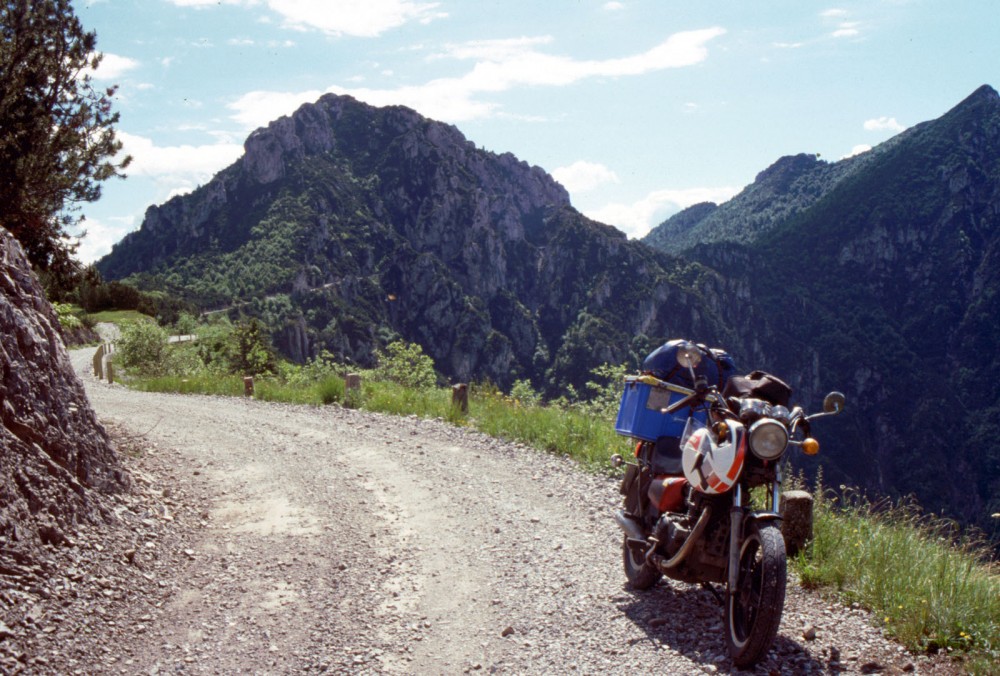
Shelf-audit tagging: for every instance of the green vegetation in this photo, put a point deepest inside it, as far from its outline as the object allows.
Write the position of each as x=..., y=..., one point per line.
x=69, y=316
x=142, y=348
x=406, y=364
x=931, y=588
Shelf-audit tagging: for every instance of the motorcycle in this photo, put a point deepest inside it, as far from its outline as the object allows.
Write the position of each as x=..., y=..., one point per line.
x=701, y=448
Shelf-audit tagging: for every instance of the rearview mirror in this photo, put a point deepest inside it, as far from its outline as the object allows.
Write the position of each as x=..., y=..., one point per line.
x=833, y=402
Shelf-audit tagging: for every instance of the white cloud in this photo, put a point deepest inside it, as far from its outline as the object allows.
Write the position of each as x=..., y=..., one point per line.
x=255, y=109
x=209, y=3
x=614, y=6
x=360, y=18
x=848, y=29
x=640, y=217
x=844, y=29
x=857, y=150
x=113, y=66
x=500, y=65
x=492, y=50
x=101, y=236
x=583, y=176
x=883, y=124
x=176, y=168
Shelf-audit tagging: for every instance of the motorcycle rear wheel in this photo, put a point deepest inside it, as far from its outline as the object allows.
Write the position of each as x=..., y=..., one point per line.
x=753, y=609
x=640, y=574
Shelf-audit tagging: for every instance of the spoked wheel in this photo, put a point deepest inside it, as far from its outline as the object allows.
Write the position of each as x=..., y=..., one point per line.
x=753, y=612
x=640, y=574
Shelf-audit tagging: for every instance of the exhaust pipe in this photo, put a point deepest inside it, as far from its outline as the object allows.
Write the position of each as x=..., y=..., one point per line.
x=629, y=526
x=685, y=549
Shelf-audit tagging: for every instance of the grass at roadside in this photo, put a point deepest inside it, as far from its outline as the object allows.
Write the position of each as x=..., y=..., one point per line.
x=928, y=587
x=927, y=592
x=587, y=439
x=119, y=316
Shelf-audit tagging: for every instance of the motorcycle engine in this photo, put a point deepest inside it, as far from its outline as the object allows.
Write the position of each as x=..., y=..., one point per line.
x=671, y=532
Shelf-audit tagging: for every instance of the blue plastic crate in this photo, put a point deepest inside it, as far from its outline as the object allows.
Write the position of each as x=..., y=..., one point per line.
x=641, y=413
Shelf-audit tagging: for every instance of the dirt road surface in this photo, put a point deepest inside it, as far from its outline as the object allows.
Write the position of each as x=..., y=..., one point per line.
x=278, y=539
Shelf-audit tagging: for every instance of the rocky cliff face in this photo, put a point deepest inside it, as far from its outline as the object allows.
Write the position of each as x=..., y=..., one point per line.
x=53, y=452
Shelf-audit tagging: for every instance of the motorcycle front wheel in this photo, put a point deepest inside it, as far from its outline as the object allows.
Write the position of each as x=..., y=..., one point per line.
x=753, y=609
x=640, y=574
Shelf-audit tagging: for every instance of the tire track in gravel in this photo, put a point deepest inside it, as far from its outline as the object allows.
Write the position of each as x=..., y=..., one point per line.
x=349, y=542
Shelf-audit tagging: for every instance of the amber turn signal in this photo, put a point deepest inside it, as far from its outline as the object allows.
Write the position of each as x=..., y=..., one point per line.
x=810, y=446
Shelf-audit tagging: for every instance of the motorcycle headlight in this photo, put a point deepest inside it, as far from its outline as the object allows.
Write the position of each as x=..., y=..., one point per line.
x=768, y=439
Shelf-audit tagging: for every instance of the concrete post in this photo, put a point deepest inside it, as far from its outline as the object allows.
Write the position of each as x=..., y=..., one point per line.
x=98, y=359
x=352, y=381
x=796, y=520
x=460, y=397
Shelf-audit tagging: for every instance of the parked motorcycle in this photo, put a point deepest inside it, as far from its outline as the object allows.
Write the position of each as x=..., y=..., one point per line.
x=704, y=440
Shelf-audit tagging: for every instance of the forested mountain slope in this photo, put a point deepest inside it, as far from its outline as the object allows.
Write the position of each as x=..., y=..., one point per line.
x=345, y=225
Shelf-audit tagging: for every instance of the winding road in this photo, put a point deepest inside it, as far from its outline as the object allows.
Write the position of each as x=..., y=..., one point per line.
x=341, y=541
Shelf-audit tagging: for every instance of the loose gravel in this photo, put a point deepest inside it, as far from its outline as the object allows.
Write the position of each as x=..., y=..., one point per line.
x=275, y=539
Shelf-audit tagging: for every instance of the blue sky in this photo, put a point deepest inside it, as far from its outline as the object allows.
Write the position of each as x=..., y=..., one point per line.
x=639, y=107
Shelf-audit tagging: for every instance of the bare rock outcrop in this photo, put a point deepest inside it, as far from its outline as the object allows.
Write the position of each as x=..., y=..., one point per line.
x=53, y=451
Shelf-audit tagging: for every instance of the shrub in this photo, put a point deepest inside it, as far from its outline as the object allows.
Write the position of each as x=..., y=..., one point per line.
x=524, y=394
x=606, y=390
x=186, y=324
x=331, y=389
x=213, y=345
x=142, y=348
x=406, y=364
x=67, y=317
x=251, y=351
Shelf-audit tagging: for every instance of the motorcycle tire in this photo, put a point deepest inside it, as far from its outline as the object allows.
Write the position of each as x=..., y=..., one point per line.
x=753, y=612
x=640, y=574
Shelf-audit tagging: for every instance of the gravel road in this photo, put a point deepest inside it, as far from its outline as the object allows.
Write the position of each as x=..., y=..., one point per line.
x=269, y=538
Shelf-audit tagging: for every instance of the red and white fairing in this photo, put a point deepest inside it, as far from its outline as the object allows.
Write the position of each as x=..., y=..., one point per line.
x=713, y=465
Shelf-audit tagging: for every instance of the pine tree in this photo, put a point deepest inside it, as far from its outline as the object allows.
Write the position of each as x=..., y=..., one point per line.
x=57, y=138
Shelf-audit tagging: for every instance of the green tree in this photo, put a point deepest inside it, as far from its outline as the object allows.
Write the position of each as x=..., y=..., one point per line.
x=57, y=137
x=252, y=353
x=142, y=348
x=406, y=364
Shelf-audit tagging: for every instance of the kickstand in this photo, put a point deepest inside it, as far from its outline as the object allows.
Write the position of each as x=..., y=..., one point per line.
x=715, y=592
